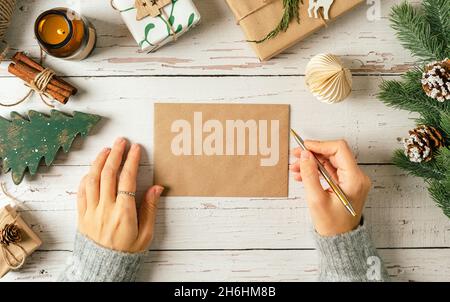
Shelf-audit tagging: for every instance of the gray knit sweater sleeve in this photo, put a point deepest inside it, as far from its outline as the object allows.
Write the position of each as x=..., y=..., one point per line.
x=92, y=263
x=349, y=257
x=346, y=257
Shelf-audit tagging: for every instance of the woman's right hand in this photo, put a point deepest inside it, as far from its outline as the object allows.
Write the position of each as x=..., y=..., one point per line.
x=330, y=217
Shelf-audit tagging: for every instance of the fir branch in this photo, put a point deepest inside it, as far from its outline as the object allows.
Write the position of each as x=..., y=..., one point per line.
x=428, y=170
x=445, y=126
x=415, y=33
x=291, y=12
x=414, y=75
x=443, y=160
x=437, y=14
x=440, y=189
x=431, y=119
x=397, y=95
x=440, y=192
x=409, y=95
x=412, y=83
x=426, y=33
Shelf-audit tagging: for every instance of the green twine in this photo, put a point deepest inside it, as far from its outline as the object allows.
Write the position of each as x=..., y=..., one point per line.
x=291, y=12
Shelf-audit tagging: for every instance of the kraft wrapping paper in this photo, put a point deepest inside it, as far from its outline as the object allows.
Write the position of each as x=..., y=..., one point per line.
x=258, y=17
x=252, y=173
x=30, y=241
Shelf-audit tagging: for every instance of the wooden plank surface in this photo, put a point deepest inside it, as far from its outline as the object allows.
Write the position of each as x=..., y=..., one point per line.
x=253, y=265
x=230, y=239
x=372, y=129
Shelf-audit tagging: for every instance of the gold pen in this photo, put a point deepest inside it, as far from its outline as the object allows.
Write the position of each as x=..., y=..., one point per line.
x=335, y=187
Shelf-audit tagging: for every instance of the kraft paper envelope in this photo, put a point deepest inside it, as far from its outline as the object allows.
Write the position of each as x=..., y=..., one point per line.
x=222, y=150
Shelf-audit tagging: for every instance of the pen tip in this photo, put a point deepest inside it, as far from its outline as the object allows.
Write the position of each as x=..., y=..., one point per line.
x=351, y=210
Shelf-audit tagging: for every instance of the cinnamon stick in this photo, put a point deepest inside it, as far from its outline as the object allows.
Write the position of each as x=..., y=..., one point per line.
x=12, y=68
x=31, y=74
x=21, y=57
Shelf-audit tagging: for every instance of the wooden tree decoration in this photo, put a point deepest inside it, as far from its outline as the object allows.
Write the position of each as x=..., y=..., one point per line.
x=24, y=142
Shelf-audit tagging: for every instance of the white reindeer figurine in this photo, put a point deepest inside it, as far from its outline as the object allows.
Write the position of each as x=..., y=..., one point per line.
x=316, y=4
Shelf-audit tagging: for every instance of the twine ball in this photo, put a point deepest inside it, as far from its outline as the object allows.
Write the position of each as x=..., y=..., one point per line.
x=6, y=11
x=327, y=79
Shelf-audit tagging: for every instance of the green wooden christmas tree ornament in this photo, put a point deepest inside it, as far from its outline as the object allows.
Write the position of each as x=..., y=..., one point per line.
x=25, y=141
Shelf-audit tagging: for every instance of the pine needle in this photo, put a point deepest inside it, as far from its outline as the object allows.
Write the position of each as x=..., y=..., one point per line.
x=445, y=125
x=417, y=34
x=291, y=12
x=428, y=170
x=440, y=192
x=409, y=95
x=437, y=14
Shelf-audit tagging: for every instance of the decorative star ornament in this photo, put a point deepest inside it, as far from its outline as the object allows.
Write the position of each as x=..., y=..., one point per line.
x=151, y=8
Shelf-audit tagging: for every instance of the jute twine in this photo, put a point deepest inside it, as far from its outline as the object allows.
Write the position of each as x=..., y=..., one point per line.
x=6, y=10
x=39, y=85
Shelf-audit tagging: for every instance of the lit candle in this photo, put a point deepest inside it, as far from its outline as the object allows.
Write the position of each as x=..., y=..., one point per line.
x=54, y=29
x=64, y=34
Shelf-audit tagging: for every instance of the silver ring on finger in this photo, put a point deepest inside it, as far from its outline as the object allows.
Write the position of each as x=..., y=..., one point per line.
x=132, y=194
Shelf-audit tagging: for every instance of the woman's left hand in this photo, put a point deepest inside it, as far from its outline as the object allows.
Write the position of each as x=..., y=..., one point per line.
x=106, y=213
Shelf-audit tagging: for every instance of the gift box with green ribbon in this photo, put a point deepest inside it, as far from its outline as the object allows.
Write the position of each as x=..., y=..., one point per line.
x=154, y=23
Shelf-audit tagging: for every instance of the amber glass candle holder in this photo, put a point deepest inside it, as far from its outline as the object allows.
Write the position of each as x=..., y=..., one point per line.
x=63, y=33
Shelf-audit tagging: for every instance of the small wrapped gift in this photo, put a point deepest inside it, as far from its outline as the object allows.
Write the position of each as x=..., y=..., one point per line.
x=154, y=23
x=17, y=240
x=257, y=18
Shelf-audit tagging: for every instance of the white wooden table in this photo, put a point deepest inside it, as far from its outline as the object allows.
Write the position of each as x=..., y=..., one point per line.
x=230, y=239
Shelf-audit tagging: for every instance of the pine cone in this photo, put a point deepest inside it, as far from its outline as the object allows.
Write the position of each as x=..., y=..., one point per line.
x=422, y=142
x=10, y=234
x=436, y=80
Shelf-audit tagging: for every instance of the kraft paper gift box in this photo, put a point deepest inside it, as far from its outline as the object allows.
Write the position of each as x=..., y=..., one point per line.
x=13, y=254
x=154, y=23
x=259, y=17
